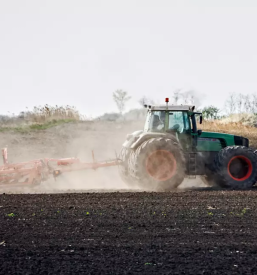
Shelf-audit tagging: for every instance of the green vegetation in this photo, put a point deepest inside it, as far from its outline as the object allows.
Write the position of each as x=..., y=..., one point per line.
x=40, y=118
x=11, y=215
x=210, y=112
x=42, y=126
x=242, y=213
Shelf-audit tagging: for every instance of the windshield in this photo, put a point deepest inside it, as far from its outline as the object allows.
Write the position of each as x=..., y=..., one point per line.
x=177, y=120
x=155, y=121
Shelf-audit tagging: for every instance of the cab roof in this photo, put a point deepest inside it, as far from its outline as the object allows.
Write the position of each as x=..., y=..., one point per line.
x=172, y=108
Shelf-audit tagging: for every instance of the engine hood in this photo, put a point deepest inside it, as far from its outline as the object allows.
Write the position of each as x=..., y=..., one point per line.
x=228, y=139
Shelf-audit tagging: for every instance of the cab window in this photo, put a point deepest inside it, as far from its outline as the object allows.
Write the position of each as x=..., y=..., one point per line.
x=178, y=121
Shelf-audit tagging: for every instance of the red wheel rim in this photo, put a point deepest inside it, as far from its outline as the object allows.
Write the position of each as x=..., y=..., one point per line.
x=240, y=168
x=161, y=165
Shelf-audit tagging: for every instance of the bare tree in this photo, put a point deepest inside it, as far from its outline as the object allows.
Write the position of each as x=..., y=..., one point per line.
x=241, y=103
x=192, y=99
x=176, y=96
x=254, y=103
x=189, y=97
x=121, y=97
x=185, y=96
x=145, y=101
x=247, y=103
x=142, y=101
x=240, y=99
x=231, y=103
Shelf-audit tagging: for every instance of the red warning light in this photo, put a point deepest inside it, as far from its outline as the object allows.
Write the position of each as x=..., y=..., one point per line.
x=166, y=99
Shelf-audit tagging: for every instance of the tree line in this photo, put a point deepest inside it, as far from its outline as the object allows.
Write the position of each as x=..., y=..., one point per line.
x=235, y=103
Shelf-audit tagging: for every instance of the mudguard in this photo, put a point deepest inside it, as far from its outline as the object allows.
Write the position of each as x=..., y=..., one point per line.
x=138, y=137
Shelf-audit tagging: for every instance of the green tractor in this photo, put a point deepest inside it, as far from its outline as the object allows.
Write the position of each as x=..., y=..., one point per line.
x=171, y=148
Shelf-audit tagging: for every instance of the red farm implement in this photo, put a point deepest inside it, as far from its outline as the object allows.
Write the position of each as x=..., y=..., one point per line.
x=35, y=171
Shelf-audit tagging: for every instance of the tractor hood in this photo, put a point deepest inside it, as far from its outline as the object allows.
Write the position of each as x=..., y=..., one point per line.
x=227, y=139
x=137, y=137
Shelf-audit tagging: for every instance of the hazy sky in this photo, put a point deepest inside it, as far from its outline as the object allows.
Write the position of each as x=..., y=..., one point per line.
x=79, y=52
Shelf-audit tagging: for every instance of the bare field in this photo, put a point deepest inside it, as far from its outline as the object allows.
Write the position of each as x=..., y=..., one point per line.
x=199, y=232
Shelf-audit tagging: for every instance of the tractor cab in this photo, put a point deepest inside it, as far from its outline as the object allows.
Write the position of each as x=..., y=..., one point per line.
x=179, y=120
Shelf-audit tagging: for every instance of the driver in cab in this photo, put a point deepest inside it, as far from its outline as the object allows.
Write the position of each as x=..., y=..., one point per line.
x=159, y=123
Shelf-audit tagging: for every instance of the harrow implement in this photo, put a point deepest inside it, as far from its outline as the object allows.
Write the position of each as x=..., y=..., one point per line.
x=35, y=171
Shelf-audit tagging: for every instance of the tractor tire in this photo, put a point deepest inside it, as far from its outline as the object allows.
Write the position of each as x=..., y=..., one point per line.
x=124, y=167
x=158, y=164
x=236, y=167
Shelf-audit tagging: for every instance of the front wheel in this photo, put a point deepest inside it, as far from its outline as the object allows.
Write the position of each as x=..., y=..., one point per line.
x=236, y=167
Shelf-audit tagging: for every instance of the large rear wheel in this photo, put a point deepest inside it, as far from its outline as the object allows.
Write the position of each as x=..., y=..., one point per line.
x=125, y=167
x=158, y=164
x=236, y=167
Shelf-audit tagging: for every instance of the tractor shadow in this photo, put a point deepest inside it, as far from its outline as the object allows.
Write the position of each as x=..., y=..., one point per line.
x=199, y=184
x=218, y=189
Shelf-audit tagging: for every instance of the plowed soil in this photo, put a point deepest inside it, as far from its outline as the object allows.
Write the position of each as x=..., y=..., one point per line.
x=186, y=232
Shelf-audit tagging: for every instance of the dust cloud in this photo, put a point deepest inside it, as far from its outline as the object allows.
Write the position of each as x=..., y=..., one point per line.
x=76, y=140
x=72, y=140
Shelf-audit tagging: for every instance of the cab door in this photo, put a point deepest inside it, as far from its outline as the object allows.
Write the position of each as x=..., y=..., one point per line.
x=183, y=133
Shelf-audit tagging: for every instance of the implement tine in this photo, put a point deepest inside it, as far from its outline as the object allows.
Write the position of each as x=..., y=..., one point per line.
x=94, y=161
x=93, y=156
x=35, y=171
x=4, y=153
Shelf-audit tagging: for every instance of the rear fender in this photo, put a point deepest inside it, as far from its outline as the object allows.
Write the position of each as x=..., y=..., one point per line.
x=137, y=139
x=131, y=138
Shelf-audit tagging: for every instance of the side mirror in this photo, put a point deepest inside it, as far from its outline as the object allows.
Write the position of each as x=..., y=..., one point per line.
x=201, y=119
